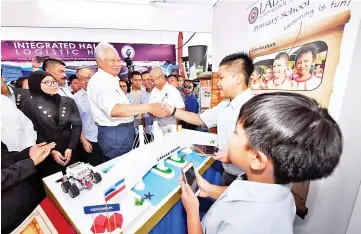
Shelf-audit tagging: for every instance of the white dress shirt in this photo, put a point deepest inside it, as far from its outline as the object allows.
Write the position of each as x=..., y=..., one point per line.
x=63, y=90
x=17, y=131
x=171, y=95
x=252, y=208
x=104, y=93
x=224, y=116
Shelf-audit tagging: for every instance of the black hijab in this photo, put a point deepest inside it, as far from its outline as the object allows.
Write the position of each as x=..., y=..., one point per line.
x=35, y=80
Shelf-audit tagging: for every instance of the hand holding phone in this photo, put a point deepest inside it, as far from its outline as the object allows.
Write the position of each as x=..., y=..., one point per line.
x=190, y=177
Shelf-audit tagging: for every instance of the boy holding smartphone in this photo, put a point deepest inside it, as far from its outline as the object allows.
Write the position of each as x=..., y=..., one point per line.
x=280, y=138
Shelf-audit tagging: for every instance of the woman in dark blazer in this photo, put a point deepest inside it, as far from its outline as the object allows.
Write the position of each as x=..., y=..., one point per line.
x=55, y=118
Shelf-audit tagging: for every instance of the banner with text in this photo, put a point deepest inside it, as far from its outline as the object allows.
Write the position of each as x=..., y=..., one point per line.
x=302, y=46
x=17, y=56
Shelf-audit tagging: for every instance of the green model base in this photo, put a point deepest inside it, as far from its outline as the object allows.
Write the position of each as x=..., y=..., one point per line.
x=181, y=160
x=167, y=171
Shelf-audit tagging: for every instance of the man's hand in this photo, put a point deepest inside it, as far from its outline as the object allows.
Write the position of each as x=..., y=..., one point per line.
x=40, y=151
x=87, y=146
x=222, y=156
x=58, y=157
x=189, y=199
x=204, y=186
x=168, y=108
x=35, y=63
x=68, y=153
x=158, y=110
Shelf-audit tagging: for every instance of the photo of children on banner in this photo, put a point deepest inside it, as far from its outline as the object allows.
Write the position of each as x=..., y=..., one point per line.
x=300, y=68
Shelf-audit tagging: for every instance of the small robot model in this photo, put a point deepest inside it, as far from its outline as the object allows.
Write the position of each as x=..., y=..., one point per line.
x=79, y=176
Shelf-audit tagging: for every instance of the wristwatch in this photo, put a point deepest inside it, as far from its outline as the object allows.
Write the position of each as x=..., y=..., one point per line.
x=173, y=113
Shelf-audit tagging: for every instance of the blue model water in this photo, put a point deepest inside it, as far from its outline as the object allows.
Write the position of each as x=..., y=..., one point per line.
x=161, y=187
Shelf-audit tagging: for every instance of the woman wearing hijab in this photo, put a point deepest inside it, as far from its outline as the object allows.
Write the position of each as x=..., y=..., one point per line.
x=55, y=119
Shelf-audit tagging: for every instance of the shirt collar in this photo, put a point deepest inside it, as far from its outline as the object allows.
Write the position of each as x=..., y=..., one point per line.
x=240, y=99
x=242, y=190
x=82, y=92
x=11, y=91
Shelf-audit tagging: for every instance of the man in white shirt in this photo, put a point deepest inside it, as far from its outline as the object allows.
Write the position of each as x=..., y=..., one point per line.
x=58, y=69
x=165, y=93
x=17, y=131
x=110, y=107
x=89, y=137
x=234, y=73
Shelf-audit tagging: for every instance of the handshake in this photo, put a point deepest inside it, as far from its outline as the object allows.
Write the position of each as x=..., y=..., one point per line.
x=161, y=109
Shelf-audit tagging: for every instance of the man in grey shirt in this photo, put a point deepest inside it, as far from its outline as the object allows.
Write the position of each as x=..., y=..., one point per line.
x=234, y=73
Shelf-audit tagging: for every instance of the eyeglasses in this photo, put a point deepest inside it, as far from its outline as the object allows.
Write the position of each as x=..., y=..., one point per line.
x=51, y=83
x=188, y=86
x=123, y=86
x=154, y=79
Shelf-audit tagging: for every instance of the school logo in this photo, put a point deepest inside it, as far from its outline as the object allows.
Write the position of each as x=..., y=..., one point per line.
x=128, y=52
x=253, y=15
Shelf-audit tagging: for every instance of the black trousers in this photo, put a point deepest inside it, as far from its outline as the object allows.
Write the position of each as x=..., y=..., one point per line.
x=227, y=178
x=94, y=158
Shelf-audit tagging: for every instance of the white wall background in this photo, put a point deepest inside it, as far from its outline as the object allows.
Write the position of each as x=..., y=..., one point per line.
x=70, y=20
x=332, y=200
x=229, y=29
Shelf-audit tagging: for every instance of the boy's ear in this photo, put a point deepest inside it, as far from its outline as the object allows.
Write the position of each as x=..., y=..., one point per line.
x=259, y=161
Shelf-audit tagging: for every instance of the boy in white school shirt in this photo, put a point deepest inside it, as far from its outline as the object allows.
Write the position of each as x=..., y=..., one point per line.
x=165, y=93
x=234, y=73
x=280, y=138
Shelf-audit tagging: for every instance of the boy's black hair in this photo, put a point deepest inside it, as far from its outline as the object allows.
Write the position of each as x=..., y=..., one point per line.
x=300, y=138
x=172, y=75
x=145, y=72
x=307, y=48
x=239, y=63
x=134, y=73
x=72, y=77
x=51, y=62
x=19, y=82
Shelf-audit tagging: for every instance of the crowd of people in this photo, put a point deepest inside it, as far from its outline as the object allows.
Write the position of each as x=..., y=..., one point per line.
x=266, y=142
x=306, y=74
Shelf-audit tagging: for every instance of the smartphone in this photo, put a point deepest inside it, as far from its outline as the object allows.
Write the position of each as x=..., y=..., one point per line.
x=207, y=149
x=190, y=177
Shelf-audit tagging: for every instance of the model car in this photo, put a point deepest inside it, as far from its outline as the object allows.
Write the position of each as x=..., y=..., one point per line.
x=79, y=176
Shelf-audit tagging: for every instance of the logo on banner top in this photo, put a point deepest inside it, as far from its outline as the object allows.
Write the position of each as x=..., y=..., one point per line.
x=128, y=52
x=253, y=15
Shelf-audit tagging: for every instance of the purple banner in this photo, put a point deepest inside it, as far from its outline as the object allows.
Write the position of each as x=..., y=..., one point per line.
x=17, y=51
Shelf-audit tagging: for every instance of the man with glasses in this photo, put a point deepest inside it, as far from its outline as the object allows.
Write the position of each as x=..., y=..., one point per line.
x=89, y=137
x=111, y=108
x=165, y=93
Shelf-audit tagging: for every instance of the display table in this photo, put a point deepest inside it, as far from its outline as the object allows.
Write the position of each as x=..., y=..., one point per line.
x=163, y=194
